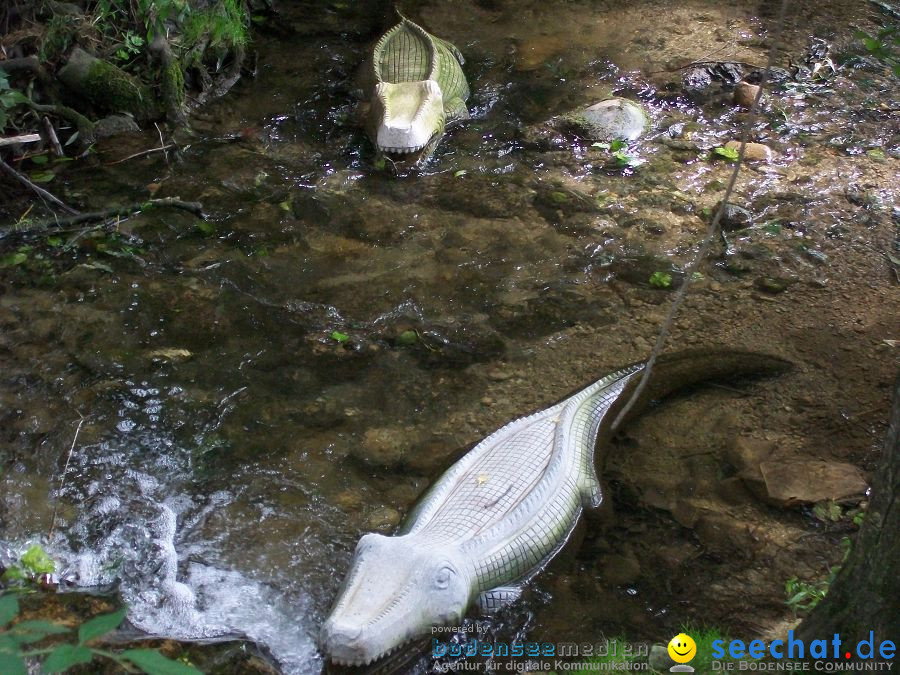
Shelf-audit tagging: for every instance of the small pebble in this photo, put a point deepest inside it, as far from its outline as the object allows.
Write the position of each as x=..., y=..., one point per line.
x=754, y=152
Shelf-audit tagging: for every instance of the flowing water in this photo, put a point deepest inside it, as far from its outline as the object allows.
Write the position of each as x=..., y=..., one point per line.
x=256, y=391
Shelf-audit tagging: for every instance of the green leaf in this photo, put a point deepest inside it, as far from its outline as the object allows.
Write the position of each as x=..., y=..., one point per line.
x=12, y=260
x=154, y=663
x=615, y=146
x=10, y=98
x=460, y=173
x=9, y=607
x=15, y=572
x=36, y=560
x=660, y=280
x=42, y=176
x=339, y=336
x=54, y=241
x=65, y=656
x=600, y=146
x=731, y=154
x=12, y=664
x=558, y=197
x=40, y=159
x=407, y=337
x=100, y=625
x=876, y=153
x=26, y=632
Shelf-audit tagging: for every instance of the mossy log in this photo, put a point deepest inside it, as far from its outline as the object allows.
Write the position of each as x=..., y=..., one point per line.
x=107, y=87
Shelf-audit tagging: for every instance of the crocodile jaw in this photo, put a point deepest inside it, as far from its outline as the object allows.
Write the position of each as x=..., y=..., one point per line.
x=396, y=590
x=406, y=116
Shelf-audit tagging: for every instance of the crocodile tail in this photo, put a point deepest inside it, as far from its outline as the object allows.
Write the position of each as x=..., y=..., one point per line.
x=679, y=370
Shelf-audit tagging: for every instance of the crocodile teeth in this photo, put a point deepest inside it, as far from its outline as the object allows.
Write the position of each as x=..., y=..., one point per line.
x=403, y=151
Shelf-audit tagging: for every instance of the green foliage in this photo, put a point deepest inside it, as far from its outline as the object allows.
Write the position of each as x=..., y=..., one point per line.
x=803, y=596
x=60, y=34
x=828, y=511
x=660, y=280
x=223, y=24
x=35, y=561
x=729, y=154
x=338, y=336
x=884, y=46
x=9, y=99
x=617, y=150
x=15, y=638
x=131, y=47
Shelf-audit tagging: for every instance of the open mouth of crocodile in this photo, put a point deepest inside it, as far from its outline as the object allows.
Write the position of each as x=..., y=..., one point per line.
x=403, y=155
x=366, y=662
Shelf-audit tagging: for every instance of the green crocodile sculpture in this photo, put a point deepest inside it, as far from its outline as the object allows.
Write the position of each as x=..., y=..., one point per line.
x=415, y=87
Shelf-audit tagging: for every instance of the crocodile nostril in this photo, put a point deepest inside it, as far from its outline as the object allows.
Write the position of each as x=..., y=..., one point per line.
x=343, y=633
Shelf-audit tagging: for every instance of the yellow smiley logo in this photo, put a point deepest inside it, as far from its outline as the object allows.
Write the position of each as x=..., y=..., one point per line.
x=682, y=648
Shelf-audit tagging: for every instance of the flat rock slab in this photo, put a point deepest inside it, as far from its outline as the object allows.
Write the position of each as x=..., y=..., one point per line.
x=795, y=482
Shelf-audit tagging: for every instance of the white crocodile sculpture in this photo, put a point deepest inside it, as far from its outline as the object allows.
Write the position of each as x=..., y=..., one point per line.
x=499, y=514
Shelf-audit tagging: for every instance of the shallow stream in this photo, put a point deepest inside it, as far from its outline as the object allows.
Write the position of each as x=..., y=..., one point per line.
x=257, y=390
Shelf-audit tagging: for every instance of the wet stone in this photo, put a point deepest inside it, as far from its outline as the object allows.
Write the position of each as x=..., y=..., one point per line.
x=383, y=446
x=753, y=152
x=745, y=94
x=734, y=217
x=612, y=119
x=772, y=285
x=383, y=519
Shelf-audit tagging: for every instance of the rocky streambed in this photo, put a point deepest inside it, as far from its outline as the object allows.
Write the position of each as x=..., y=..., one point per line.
x=257, y=389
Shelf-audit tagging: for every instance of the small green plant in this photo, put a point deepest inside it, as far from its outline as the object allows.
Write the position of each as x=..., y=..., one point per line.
x=726, y=153
x=9, y=99
x=338, y=336
x=660, y=280
x=803, y=596
x=883, y=46
x=131, y=46
x=828, y=511
x=32, y=564
x=16, y=638
x=617, y=150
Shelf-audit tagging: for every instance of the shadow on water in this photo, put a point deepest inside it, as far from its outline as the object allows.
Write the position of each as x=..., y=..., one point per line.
x=261, y=389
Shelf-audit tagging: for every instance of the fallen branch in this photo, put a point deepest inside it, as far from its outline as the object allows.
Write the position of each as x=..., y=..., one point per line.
x=6, y=168
x=83, y=124
x=53, y=138
x=115, y=212
x=24, y=138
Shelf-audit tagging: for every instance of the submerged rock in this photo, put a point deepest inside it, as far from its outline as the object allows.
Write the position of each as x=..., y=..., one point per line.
x=734, y=217
x=609, y=120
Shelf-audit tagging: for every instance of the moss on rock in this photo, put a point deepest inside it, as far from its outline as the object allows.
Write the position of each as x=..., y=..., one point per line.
x=107, y=87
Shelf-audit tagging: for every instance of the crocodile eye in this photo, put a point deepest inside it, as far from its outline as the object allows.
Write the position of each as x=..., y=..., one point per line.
x=442, y=578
